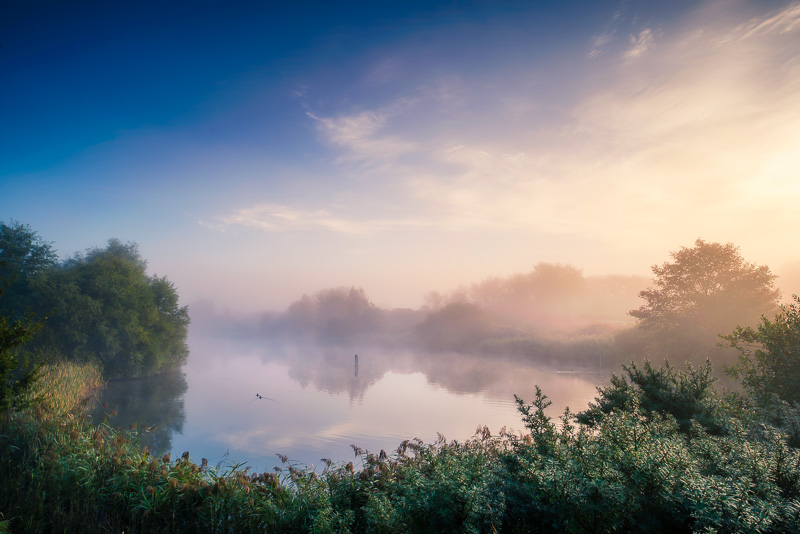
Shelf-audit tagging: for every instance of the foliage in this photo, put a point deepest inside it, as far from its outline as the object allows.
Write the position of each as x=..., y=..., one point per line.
x=330, y=316
x=542, y=430
x=101, y=306
x=769, y=362
x=689, y=396
x=62, y=386
x=705, y=291
x=16, y=376
x=23, y=257
x=457, y=326
x=104, y=308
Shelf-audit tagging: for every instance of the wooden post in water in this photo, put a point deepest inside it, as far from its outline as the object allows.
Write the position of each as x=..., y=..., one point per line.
x=356, y=365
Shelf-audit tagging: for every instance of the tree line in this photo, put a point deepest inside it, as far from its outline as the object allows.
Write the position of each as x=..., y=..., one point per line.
x=556, y=313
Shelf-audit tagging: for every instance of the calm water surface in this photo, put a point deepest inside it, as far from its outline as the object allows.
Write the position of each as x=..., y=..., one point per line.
x=316, y=403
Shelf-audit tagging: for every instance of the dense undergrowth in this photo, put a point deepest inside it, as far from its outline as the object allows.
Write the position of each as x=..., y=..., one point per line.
x=660, y=451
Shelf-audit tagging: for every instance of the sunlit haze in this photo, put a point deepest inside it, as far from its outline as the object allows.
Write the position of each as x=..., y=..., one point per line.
x=257, y=151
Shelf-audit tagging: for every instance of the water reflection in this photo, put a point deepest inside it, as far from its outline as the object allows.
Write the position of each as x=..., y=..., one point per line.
x=246, y=402
x=156, y=402
x=459, y=373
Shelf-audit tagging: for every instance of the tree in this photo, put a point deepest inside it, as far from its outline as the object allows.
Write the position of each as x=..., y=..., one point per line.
x=457, y=326
x=100, y=307
x=103, y=307
x=705, y=291
x=769, y=362
x=334, y=315
x=16, y=376
x=23, y=257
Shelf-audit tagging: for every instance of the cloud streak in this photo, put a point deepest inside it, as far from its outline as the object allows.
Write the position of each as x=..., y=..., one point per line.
x=602, y=40
x=640, y=43
x=783, y=21
x=361, y=136
x=279, y=218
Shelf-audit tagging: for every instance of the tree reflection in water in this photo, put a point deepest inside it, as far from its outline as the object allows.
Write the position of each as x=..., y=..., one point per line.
x=155, y=401
x=332, y=371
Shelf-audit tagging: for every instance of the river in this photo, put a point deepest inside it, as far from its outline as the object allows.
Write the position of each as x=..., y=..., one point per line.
x=245, y=402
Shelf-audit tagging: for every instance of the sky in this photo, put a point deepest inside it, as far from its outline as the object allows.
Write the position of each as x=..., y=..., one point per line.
x=257, y=151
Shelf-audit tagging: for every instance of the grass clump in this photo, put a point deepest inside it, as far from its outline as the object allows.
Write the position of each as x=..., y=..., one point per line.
x=62, y=386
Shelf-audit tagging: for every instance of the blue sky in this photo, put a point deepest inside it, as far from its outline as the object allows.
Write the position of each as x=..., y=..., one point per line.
x=258, y=150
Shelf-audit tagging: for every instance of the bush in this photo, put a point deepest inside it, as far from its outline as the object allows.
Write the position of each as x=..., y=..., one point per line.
x=686, y=396
x=769, y=355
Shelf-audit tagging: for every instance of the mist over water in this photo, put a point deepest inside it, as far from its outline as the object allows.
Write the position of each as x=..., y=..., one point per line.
x=314, y=403
x=335, y=371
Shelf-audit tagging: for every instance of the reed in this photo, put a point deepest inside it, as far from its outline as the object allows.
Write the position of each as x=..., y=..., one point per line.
x=62, y=386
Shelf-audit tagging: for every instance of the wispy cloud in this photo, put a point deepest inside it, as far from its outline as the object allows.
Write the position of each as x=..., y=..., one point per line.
x=279, y=218
x=640, y=43
x=362, y=134
x=602, y=40
x=599, y=43
x=779, y=22
x=276, y=218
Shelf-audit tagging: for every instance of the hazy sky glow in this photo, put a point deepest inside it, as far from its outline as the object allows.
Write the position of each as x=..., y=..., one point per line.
x=256, y=151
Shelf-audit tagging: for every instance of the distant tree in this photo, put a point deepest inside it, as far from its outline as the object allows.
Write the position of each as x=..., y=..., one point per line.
x=554, y=282
x=769, y=362
x=332, y=315
x=433, y=300
x=342, y=313
x=547, y=285
x=705, y=291
x=457, y=326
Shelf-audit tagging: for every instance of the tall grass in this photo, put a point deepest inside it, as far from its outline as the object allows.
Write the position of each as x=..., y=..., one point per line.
x=62, y=386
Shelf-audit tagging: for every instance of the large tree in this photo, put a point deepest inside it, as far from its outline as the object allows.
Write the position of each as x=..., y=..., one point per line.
x=101, y=306
x=705, y=291
x=105, y=308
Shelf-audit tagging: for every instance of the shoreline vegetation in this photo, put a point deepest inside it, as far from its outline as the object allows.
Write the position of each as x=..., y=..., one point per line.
x=661, y=450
